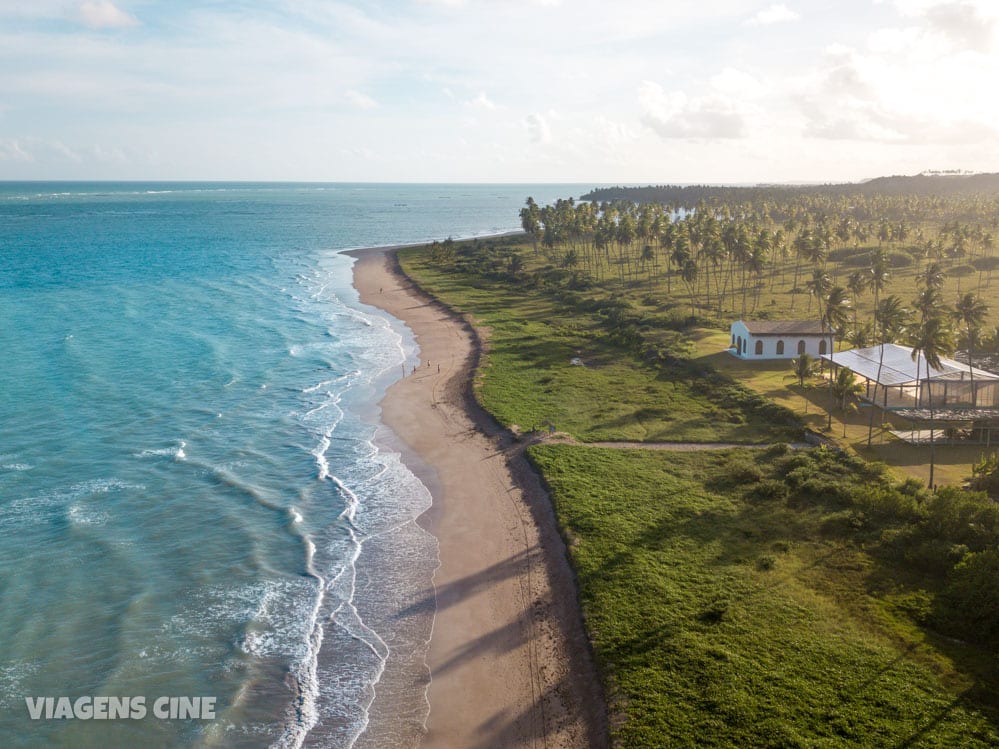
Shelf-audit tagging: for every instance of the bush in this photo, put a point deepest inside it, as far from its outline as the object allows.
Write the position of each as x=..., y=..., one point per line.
x=844, y=523
x=769, y=489
x=766, y=562
x=887, y=504
x=934, y=555
x=985, y=476
x=969, y=606
x=745, y=472
x=821, y=490
x=963, y=517
x=777, y=449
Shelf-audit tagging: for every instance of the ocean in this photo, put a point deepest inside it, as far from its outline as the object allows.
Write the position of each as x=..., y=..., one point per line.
x=195, y=501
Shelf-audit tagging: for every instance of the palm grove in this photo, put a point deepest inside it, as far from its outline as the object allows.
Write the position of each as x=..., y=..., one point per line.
x=911, y=269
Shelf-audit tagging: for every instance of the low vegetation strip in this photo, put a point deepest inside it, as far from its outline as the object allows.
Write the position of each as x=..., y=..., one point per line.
x=776, y=599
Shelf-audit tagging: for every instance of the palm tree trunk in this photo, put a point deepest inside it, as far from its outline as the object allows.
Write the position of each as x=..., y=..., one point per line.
x=832, y=373
x=874, y=400
x=932, y=442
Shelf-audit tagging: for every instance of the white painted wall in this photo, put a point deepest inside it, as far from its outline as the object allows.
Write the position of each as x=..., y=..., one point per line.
x=741, y=335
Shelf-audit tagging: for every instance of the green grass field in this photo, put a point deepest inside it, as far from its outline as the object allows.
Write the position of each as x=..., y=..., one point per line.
x=723, y=620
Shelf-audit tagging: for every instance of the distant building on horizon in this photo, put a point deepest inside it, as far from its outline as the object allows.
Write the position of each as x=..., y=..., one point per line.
x=778, y=339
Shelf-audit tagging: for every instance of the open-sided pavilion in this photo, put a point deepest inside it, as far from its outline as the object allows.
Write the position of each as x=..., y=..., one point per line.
x=963, y=400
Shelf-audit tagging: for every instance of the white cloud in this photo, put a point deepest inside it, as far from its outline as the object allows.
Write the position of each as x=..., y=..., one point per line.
x=962, y=24
x=776, y=13
x=537, y=128
x=114, y=154
x=34, y=149
x=359, y=100
x=12, y=150
x=673, y=114
x=899, y=90
x=104, y=14
x=738, y=83
x=290, y=81
x=482, y=102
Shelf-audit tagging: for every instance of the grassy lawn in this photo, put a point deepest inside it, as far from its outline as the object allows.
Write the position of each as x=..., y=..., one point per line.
x=720, y=619
x=529, y=379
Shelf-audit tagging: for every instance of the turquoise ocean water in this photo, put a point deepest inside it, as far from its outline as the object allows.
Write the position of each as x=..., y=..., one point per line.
x=192, y=501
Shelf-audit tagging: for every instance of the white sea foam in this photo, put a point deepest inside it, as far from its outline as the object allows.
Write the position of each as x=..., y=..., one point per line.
x=176, y=452
x=40, y=507
x=80, y=514
x=11, y=678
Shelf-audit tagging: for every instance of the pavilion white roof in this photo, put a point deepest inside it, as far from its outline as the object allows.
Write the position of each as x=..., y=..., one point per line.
x=899, y=368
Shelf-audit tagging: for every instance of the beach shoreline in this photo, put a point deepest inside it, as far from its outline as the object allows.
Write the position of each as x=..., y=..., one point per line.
x=509, y=660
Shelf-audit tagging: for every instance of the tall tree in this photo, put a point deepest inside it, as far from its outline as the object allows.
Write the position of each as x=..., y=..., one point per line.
x=530, y=221
x=844, y=388
x=834, y=319
x=856, y=284
x=932, y=276
x=970, y=311
x=818, y=285
x=932, y=340
x=802, y=368
x=891, y=319
x=878, y=275
x=929, y=303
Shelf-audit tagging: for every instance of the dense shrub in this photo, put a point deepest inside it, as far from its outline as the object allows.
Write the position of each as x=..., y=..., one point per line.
x=963, y=517
x=985, y=476
x=969, y=604
x=888, y=504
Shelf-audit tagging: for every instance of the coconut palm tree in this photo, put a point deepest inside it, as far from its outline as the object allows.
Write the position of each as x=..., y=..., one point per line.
x=688, y=274
x=834, y=319
x=648, y=256
x=530, y=221
x=970, y=311
x=844, y=388
x=857, y=284
x=802, y=368
x=929, y=303
x=817, y=286
x=878, y=275
x=932, y=339
x=891, y=318
x=800, y=245
x=932, y=277
x=861, y=336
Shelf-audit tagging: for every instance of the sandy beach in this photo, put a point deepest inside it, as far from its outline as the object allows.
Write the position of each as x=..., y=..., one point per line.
x=510, y=664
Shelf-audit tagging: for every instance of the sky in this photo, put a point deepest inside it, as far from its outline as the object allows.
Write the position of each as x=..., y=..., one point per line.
x=589, y=91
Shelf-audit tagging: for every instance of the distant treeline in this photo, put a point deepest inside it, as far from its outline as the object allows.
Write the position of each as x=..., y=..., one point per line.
x=690, y=195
